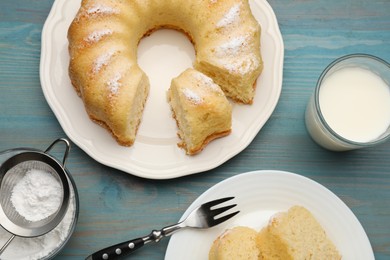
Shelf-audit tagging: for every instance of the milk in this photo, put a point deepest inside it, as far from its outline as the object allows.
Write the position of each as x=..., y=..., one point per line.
x=355, y=103
x=350, y=108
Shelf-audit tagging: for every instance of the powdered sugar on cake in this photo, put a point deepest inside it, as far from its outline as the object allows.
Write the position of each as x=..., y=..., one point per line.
x=101, y=9
x=97, y=35
x=192, y=96
x=232, y=55
x=242, y=65
x=207, y=82
x=204, y=86
x=232, y=47
x=203, y=78
x=97, y=9
x=114, y=84
x=101, y=61
x=230, y=17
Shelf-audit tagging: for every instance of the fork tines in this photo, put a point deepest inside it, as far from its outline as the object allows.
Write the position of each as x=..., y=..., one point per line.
x=224, y=218
x=218, y=211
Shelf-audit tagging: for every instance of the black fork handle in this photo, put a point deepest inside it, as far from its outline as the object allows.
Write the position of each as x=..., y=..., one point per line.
x=128, y=247
x=118, y=250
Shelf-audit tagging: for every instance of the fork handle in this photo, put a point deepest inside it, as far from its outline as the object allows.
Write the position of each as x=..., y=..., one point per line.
x=128, y=247
x=118, y=250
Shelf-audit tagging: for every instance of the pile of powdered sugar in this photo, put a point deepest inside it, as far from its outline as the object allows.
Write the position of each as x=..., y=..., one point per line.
x=39, y=190
x=37, y=195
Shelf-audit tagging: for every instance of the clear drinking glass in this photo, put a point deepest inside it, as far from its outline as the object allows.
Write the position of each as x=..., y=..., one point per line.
x=321, y=130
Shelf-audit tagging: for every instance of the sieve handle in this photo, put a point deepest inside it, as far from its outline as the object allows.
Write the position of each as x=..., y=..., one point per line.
x=7, y=244
x=66, y=149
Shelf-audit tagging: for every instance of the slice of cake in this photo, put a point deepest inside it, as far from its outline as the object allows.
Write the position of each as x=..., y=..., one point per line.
x=295, y=234
x=201, y=110
x=238, y=243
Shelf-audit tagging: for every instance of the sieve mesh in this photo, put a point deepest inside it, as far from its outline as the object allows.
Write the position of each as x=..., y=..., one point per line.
x=11, y=178
x=11, y=172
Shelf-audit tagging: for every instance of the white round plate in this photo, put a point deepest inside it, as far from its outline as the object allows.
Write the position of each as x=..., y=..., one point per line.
x=163, y=55
x=259, y=195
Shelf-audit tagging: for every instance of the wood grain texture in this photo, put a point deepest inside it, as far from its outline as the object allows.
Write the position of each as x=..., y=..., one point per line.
x=116, y=206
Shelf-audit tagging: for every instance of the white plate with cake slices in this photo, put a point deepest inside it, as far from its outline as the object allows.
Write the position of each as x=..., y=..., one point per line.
x=260, y=195
x=163, y=55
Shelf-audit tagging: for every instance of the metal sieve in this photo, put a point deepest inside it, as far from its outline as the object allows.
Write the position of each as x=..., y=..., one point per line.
x=12, y=172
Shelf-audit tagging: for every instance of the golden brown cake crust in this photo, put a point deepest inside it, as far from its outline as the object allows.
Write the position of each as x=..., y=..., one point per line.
x=208, y=140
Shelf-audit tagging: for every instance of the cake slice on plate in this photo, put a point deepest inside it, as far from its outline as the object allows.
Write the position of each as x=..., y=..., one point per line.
x=201, y=110
x=295, y=234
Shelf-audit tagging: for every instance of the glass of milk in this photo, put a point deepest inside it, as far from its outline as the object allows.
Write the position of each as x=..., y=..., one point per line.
x=350, y=107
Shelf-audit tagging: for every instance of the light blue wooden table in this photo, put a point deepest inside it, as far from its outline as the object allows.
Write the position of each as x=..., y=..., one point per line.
x=116, y=206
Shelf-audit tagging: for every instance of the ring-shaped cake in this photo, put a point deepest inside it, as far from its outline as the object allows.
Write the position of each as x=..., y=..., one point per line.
x=103, y=40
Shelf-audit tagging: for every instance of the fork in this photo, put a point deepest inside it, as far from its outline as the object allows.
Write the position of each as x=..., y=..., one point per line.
x=202, y=217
